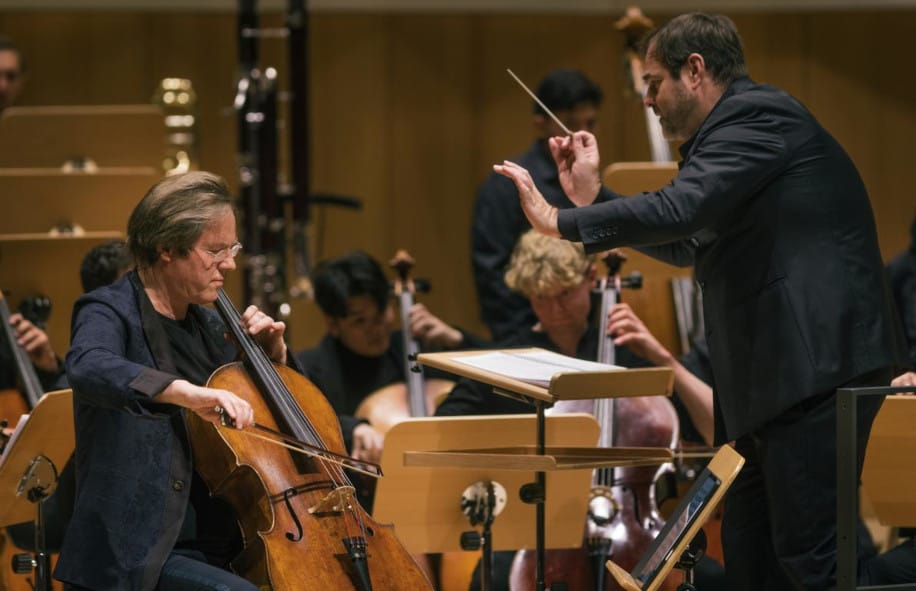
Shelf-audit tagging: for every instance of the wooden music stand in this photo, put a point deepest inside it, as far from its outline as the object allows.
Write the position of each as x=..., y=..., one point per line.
x=683, y=524
x=108, y=135
x=424, y=504
x=564, y=385
x=889, y=472
x=47, y=432
x=41, y=443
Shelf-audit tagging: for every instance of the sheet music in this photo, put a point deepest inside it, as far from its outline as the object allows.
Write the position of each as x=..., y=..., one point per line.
x=534, y=367
x=9, y=444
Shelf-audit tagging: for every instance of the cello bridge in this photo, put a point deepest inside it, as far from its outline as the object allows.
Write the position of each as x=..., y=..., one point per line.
x=337, y=501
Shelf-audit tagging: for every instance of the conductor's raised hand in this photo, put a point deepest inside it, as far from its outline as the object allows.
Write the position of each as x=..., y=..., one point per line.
x=578, y=165
x=267, y=331
x=208, y=403
x=542, y=215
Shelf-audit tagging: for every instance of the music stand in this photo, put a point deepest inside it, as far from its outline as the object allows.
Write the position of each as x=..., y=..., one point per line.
x=421, y=492
x=565, y=384
x=28, y=470
x=680, y=528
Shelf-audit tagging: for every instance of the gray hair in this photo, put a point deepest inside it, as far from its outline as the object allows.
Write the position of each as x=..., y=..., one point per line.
x=174, y=213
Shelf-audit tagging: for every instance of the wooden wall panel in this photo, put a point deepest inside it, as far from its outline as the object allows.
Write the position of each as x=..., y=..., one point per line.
x=408, y=112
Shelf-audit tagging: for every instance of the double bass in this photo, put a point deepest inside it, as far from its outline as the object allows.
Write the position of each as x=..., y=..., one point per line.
x=301, y=523
x=622, y=518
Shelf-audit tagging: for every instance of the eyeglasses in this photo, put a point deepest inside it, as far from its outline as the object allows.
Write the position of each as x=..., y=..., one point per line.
x=222, y=254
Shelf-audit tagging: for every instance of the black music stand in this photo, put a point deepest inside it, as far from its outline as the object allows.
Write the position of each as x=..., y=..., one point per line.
x=42, y=441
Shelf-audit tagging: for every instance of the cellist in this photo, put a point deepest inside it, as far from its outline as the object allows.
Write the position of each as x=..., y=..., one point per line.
x=557, y=277
x=141, y=349
x=361, y=352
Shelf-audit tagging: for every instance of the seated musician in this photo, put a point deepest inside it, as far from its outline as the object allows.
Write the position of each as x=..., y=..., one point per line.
x=557, y=277
x=361, y=352
x=141, y=351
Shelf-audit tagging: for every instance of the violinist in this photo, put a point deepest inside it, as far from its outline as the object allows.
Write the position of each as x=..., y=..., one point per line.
x=361, y=352
x=557, y=278
x=141, y=351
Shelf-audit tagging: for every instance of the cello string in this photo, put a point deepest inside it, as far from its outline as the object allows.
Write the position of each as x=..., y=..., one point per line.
x=291, y=412
x=277, y=389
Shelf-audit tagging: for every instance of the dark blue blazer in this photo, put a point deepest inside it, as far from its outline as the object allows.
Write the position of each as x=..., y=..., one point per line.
x=133, y=458
x=774, y=215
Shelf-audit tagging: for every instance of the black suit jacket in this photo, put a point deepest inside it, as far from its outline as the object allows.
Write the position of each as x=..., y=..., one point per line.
x=774, y=215
x=133, y=457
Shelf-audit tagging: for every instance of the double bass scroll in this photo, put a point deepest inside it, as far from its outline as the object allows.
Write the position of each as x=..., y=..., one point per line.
x=634, y=24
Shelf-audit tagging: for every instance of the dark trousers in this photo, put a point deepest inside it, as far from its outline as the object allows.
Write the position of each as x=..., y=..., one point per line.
x=187, y=570
x=779, y=526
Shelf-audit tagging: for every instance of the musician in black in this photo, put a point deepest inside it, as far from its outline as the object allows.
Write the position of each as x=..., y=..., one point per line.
x=557, y=278
x=141, y=350
x=498, y=221
x=775, y=218
x=361, y=352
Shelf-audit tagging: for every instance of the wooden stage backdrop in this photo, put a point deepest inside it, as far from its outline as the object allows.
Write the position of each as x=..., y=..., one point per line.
x=408, y=111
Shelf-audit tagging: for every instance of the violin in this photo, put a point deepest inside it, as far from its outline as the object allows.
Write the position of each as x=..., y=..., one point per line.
x=417, y=396
x=622, y=518
x=301, y=523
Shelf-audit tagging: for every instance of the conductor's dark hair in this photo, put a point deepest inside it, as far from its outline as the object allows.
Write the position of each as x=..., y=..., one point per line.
x=103, y=264
x=353, y=274
x=564, y=89
x=715, y=37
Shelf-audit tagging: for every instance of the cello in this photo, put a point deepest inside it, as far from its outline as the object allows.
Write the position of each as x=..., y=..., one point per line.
x=417, y=396
x=622, y=518
x=301, y=523
x=13, y=404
